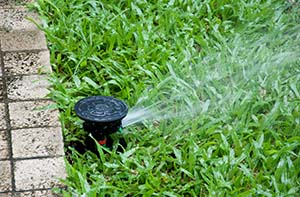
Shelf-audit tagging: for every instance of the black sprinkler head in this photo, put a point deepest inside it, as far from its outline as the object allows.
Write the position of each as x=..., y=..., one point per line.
x=102, y=116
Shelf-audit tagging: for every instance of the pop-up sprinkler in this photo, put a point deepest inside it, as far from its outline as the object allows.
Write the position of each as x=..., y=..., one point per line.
x=102, y=116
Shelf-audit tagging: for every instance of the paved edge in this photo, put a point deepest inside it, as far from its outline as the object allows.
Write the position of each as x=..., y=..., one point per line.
x=31, y=142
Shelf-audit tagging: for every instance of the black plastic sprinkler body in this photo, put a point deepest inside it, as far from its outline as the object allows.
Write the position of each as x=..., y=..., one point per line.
x=102, y=116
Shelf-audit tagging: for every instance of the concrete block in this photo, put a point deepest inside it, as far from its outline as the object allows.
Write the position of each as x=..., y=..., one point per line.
x=17, y=63
x=27, y=87
x=11, y=3
x=3, y=145
x=39, y=173
x=32, y=114
x=16, y=19
x=6, y=194
x=37, y=142
x=39, y=193
x=1, y=90
x=2, y=117
x=5, y=174
x=23, y=40
x=0, y=61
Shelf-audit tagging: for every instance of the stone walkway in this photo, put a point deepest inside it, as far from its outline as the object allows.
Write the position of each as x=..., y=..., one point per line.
x=31, y=145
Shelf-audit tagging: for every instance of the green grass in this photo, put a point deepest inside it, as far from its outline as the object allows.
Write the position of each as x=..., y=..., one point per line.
x=233, y=64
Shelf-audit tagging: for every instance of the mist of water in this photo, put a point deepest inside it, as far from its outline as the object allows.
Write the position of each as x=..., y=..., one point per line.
x=241, y=61
x=160, y=111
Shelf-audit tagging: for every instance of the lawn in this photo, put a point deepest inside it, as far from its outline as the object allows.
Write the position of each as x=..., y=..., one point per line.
x=216, y=84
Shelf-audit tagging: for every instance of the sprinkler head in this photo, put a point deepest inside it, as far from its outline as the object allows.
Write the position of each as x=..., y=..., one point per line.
x=102, y=116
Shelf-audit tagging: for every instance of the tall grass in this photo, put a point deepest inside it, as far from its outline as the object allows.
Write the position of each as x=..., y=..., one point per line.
x=220, y=80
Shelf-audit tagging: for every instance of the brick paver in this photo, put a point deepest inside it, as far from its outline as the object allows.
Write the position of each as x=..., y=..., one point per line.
x=5, y=174
x=3, y=145
x=43, y=142
x=21, y=63
x=31, y=144
x=22, y=87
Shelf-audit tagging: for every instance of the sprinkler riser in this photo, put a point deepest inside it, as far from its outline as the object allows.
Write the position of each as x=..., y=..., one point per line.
x=100, y=129
x=102, y=117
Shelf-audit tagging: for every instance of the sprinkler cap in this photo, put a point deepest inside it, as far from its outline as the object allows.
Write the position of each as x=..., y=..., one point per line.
x=101, y=109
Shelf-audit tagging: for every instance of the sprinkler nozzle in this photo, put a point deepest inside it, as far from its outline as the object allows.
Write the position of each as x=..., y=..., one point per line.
x=102, y=116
